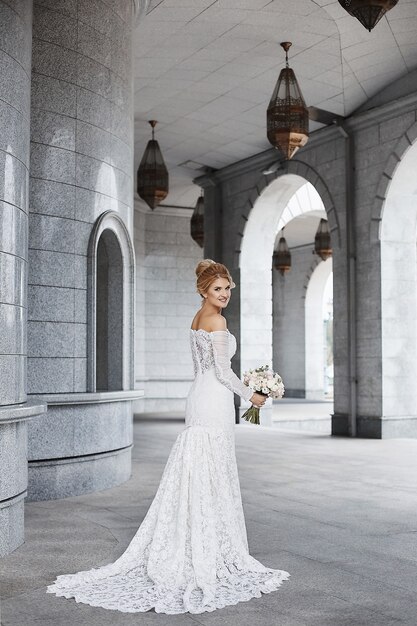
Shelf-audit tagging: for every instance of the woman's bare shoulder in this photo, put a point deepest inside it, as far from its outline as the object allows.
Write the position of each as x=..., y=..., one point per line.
x=218, y=322
x=209, y=323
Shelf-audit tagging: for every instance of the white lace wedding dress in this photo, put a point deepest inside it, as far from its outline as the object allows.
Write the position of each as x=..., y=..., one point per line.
x=190, y=554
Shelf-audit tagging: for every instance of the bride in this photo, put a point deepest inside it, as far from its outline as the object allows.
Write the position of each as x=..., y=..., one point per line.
x=190, y=554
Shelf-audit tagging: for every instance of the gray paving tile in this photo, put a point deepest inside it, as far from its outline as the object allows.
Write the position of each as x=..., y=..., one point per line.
x=338, y=514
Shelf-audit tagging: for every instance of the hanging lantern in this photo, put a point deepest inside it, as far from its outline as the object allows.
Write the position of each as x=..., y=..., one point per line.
x=152, y=177
x=368, y=12
x=282, y=256
x=322, y=243
x=197, y=222
x=287, y=114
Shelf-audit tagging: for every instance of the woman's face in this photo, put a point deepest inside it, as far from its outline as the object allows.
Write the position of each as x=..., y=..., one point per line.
x=218, y=294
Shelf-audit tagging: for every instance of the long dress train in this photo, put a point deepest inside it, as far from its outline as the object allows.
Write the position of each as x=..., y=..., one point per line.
x=190, y=554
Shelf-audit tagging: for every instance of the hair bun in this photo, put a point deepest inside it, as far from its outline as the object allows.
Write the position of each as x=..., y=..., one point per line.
x=203, y=265
x=208, y=271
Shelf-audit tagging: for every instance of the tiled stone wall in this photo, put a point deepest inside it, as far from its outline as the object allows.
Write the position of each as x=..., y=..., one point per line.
x=15, y=59
x=81, y=166
x=166, y=304
x=98, y=433
x=81, y=170
x=140, y=296
x=386, y=328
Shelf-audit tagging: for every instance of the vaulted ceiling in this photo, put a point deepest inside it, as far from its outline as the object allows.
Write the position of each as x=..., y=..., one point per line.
x=205, y=69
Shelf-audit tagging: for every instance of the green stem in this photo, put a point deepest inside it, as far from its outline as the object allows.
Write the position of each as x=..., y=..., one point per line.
x=252, y=415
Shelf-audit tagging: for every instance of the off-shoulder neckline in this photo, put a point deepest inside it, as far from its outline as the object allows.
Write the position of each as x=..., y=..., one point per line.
x=209, y=332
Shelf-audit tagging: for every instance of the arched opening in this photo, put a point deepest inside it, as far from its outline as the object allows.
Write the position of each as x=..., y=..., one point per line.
x=109, y=314
x=285, y=199
x=273, y=307
x=399, y=294
x=303, y=314
x=319, y=333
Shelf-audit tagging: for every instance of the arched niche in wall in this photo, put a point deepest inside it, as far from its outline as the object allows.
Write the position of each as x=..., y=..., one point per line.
x=109, y=314
x=111, y=271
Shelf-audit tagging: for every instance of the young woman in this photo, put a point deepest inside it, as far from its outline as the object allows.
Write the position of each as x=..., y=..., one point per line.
x=190, y=554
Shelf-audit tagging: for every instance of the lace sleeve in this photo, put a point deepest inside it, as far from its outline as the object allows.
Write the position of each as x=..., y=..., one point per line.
x=224, y=372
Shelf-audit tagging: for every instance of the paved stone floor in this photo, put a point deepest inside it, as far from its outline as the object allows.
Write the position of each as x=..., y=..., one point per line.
x=340, y=515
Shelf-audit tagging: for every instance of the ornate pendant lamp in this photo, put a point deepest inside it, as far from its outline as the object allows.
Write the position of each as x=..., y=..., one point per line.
x=152, y=177
x=322, y=243
x=287, y=114
x=197, y=222
x=368, y=12
x=282, y=256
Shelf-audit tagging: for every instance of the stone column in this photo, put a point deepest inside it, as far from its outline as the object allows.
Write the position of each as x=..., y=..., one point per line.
x=15, y=57
x=81, y=184
x=289, y=322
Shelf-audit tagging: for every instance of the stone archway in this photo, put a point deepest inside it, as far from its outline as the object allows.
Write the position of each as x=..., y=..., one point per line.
x=269, y=213
x=402, y=147
x=303, y=171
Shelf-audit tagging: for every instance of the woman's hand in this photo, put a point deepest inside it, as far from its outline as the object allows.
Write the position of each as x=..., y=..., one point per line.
x=258, y=399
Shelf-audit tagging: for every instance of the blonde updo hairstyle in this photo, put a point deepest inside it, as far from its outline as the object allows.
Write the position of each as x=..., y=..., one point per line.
x=207, y=271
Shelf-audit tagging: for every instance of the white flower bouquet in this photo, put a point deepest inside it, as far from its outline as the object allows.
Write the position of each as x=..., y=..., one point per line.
x=266, y=382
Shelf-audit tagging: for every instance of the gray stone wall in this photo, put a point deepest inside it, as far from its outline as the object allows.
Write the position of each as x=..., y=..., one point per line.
x=81, y=166
x=98, y=433
x=381, y=143
x=15, y=61
x=81, y=172
x=140, y=298
x=166, y=304
x=15, y=56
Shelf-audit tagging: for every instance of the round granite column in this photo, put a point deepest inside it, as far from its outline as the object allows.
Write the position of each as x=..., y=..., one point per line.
x=81, y=168
x=15, y=59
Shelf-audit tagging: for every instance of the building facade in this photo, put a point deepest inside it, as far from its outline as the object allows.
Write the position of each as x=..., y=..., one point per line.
x=67, y=256
x=363, y=174
x=97, y=292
